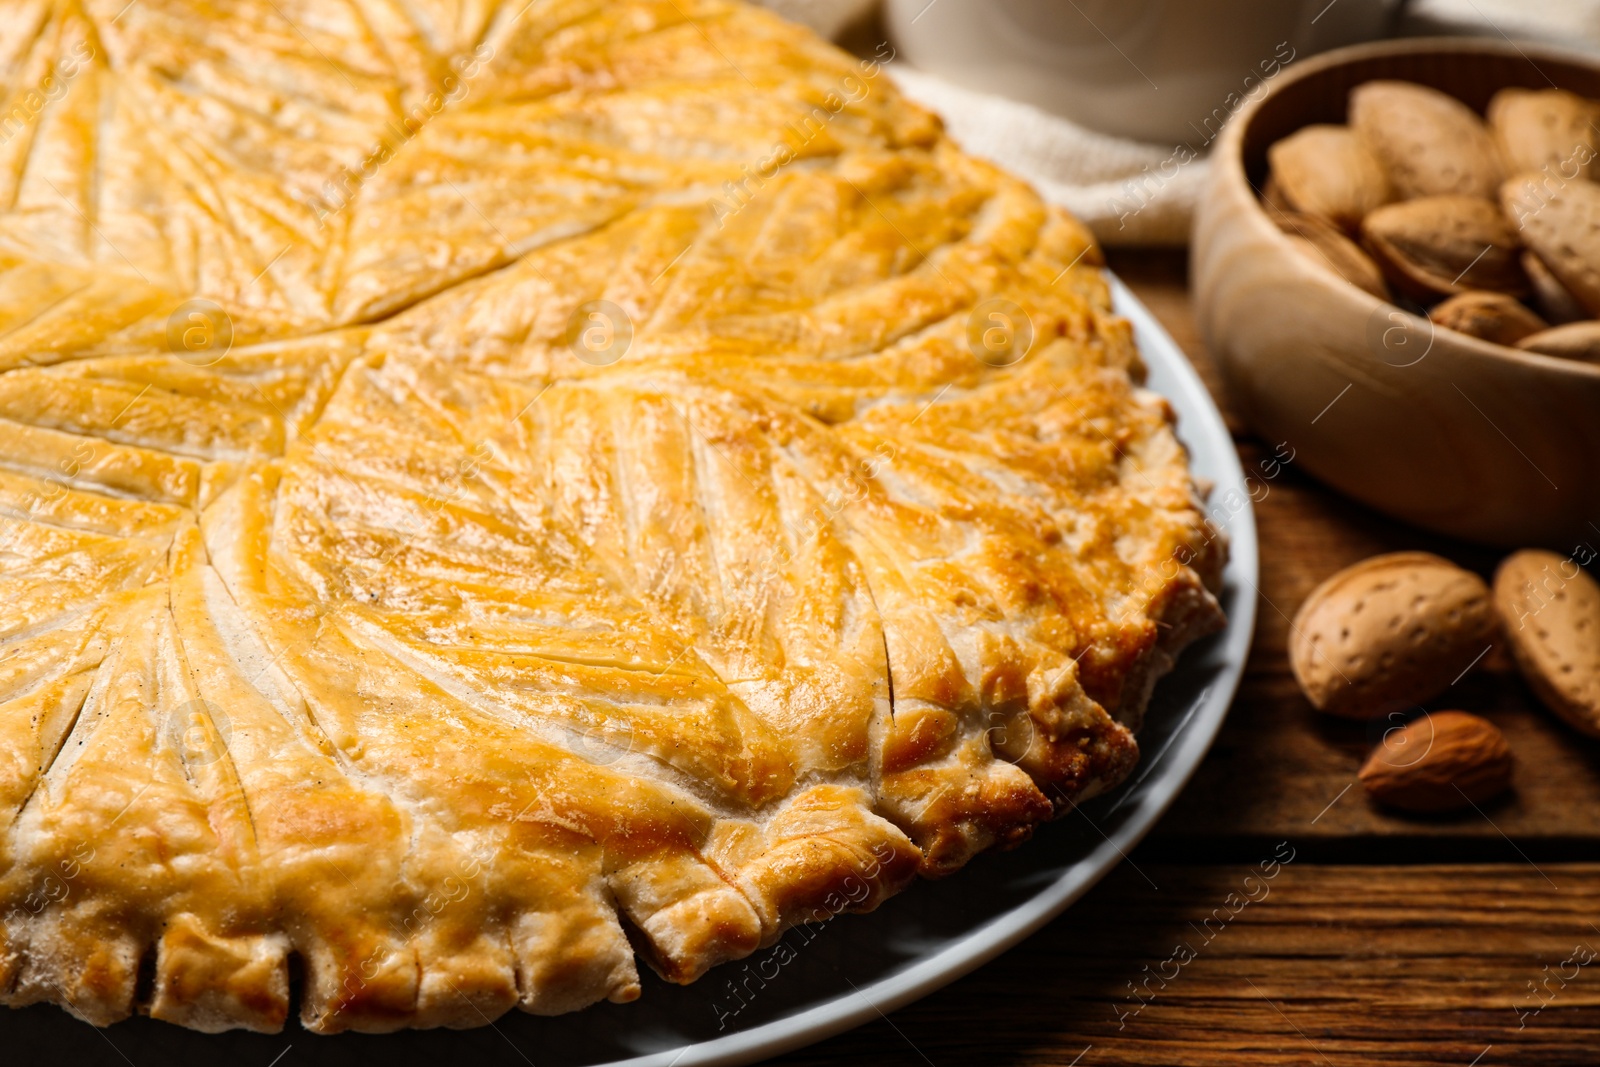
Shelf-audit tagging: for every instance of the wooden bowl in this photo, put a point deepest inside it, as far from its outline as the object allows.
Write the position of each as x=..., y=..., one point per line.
x=1454, y=434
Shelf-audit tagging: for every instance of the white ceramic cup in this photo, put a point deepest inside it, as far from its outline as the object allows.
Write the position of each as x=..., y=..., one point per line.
x=1155, y=70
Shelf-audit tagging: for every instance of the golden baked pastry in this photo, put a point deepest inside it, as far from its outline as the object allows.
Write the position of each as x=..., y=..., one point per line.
x=479, y=478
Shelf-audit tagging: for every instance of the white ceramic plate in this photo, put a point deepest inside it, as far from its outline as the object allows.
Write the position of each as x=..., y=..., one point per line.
x=818, y=981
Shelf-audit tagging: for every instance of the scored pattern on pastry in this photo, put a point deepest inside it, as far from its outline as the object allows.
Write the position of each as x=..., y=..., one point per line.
x=418, y=644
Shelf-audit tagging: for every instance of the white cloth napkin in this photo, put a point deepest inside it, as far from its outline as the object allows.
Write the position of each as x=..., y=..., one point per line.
x=1091, y=174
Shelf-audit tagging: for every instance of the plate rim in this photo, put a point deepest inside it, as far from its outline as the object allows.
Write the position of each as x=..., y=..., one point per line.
x=1199, y=419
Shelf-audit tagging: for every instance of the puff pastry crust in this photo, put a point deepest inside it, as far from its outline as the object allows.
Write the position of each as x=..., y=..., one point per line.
x=395, y=632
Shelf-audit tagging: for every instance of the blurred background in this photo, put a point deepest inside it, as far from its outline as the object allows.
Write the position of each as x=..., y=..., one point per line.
x=1108, y=106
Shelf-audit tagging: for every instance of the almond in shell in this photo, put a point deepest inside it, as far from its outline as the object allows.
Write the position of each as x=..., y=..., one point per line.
x=1575, y=340
x=1272, y=198
x=1545, y=129
x=1558, y=305
x=1560, y=221
x=1389, y=633
x=1429, y=144
x=1321, y=242
x=1493, y=317
x=1549, y=608
x=1439, y=762
x=1328, y=172
x=1442, y=245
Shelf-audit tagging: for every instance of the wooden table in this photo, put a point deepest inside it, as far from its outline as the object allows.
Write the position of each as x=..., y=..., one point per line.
x=1381, y=940
x=1384, y=940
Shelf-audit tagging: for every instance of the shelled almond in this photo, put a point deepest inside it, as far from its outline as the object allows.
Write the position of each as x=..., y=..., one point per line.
x=1439, y=762
x=1494, y=317
x=1490, y=225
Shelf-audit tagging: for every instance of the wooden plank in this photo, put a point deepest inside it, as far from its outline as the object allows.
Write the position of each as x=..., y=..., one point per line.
x=1326, y=965
x=1278, y=764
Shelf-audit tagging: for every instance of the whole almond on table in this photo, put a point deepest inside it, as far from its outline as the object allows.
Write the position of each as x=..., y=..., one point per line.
x=1536, y=129
x=1560, y=222
x=1550, y=612
x=1389, y=632
x=1326, y=171
x=1443, y=245
x=1320, y=241
x=1429, y=144
x=1575, y=340
x=1493, y=317
x=1439, y=762
x=1558, y=305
